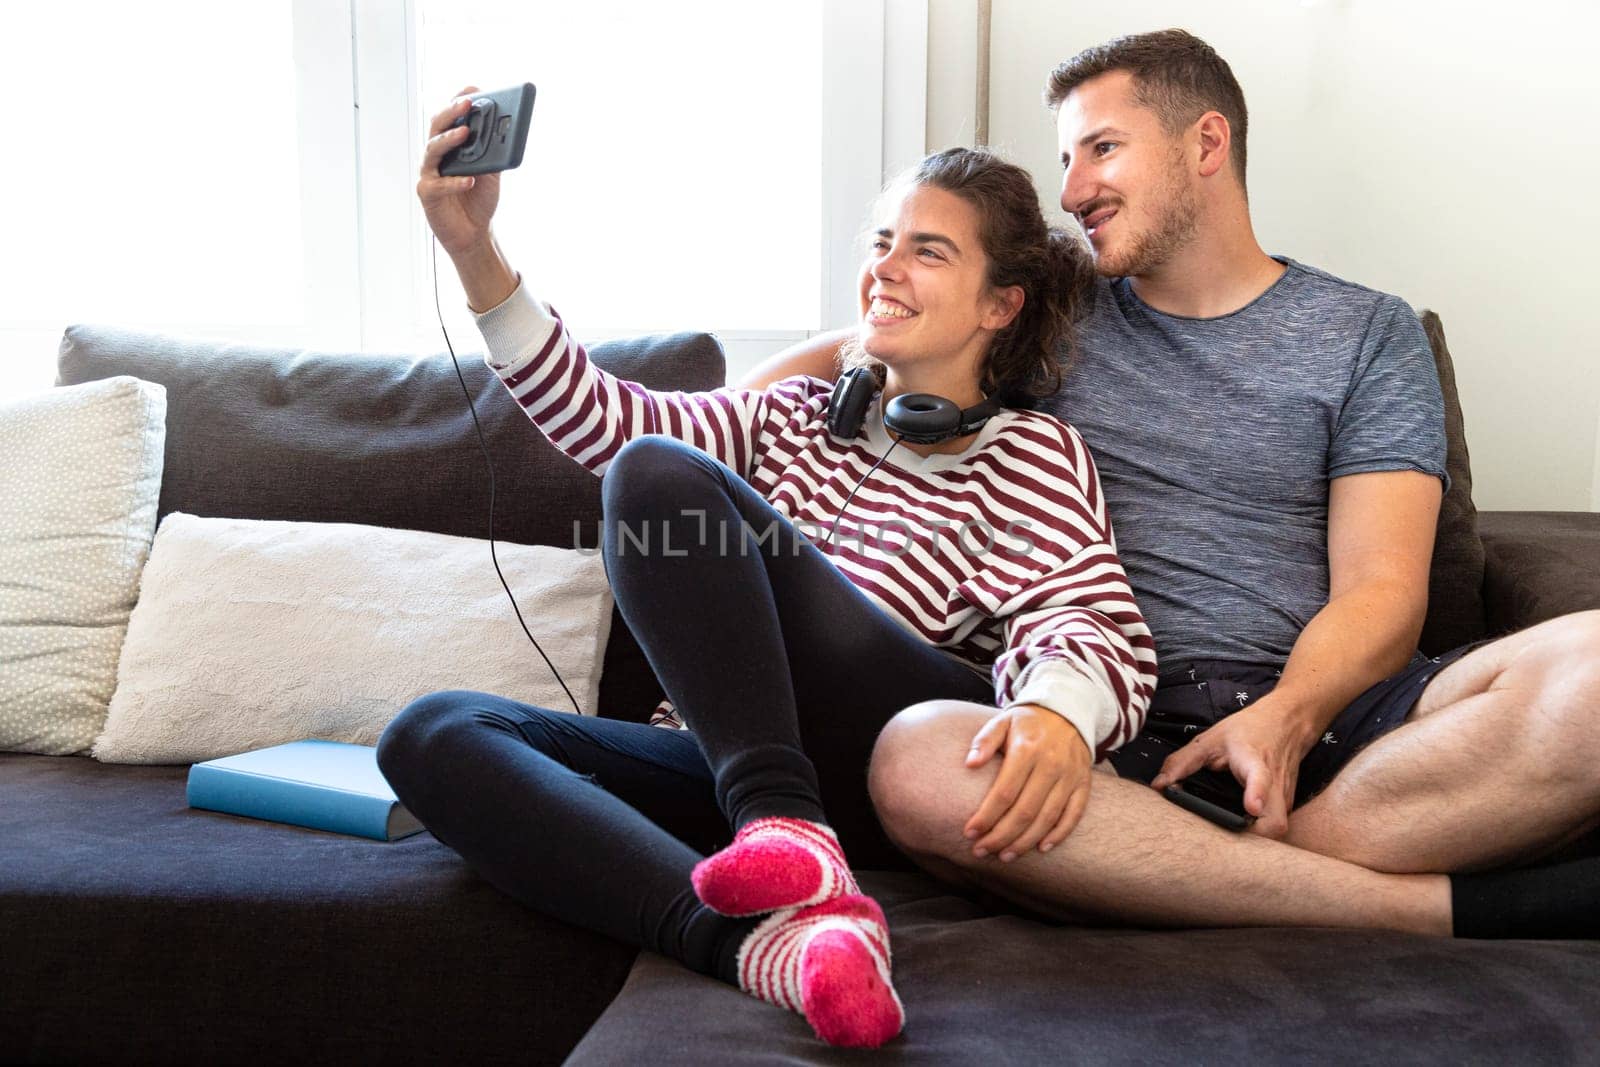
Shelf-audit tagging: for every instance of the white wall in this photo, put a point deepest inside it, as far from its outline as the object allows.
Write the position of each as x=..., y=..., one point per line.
x=1449, y=153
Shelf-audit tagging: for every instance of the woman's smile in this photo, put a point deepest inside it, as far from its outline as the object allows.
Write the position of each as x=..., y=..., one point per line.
x=887, y=311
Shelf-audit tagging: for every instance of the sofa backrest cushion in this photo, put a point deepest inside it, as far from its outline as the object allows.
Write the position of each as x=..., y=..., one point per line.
x=256, y=432
x=387, y=440
x=1455, y=585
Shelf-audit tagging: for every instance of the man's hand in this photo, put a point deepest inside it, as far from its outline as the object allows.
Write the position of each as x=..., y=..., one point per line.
x=1042, y=787
x=1263, y=748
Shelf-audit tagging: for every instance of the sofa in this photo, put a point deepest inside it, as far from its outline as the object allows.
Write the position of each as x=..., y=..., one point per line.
x=134, y=929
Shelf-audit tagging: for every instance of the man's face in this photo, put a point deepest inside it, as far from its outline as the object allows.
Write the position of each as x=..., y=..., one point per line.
x=1125, y=178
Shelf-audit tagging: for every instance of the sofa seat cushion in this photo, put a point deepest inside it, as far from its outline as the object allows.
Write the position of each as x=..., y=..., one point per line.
x=981, y=985
x=137, y=929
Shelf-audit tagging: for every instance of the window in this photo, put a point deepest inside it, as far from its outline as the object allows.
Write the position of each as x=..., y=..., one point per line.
x=247, y=170
x=163, y=188
x=658, y=175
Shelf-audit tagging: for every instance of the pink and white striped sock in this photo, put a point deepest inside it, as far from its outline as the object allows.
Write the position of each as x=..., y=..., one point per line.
x=773, y=863
x=830, y=963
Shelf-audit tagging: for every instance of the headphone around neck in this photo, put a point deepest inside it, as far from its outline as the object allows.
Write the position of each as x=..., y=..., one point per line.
x=918, y=418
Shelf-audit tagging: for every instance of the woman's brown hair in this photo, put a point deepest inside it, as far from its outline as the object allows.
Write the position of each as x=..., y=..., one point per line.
x=1051, y=266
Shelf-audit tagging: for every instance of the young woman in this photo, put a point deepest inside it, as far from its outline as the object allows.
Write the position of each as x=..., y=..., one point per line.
x=978, y=564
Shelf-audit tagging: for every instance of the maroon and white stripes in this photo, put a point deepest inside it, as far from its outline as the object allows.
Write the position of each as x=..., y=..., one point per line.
x=831, y=963
x=1003, y=555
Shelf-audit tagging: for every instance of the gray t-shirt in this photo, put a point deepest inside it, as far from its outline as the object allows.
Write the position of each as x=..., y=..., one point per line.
x=1216, y=440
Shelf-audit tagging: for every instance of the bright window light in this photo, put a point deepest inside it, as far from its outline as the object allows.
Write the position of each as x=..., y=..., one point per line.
x=155, y=173
x=673, y=173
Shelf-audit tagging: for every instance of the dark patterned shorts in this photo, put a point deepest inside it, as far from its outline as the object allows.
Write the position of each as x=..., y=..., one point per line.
x=1192, y=697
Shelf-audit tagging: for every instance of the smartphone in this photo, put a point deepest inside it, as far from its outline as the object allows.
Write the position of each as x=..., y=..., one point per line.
x=499, y=125
x=1217, y=801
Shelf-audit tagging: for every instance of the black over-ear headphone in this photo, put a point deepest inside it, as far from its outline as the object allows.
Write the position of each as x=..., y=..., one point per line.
x=919, y=418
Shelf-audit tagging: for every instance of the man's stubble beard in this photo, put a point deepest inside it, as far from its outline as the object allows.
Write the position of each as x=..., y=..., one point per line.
x=1174, y=227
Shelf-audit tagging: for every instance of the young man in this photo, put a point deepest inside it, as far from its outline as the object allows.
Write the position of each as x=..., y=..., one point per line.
x=1271, y=444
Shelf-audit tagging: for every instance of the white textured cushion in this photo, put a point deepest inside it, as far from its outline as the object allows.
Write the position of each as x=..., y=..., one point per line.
x=80, y=476
x=251, y=633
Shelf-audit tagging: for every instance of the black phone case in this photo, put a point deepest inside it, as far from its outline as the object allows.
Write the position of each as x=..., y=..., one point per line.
x=499, y=144
x=1228, y=820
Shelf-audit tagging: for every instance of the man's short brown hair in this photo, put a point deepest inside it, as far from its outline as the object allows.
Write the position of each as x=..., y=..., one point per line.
x=1175, y=74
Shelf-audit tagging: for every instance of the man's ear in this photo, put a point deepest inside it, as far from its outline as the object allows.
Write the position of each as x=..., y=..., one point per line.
x=1216, y=140
x=1004, y=304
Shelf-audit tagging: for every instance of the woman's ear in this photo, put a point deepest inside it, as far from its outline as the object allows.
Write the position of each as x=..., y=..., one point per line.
x=1004, y=305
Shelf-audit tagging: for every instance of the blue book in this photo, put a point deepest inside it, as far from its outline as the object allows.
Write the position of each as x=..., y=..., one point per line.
x=326, y=785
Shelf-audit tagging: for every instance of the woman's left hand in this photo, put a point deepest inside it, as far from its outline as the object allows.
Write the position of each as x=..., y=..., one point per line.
x=1043, y=784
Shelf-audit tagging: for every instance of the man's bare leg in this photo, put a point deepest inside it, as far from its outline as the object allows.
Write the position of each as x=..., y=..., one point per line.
x=1498, y=763
x=1134, y=856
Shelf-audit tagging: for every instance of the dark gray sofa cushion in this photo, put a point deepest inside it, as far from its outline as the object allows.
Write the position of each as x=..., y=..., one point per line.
x=984, y=986
x=1539, y=565
x=274, y=433
x=138, y=930
x=1455, y=581
x=385, y=440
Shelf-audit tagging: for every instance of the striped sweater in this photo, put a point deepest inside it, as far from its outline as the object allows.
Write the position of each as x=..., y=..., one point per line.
x=1001, y=555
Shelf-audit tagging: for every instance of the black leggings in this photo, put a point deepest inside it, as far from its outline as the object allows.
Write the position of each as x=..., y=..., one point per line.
x=783, y=671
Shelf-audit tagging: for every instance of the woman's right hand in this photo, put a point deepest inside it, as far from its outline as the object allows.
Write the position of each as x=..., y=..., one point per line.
x=458, y=208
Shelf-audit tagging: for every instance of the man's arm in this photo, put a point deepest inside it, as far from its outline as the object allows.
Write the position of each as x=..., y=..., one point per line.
x=1380, y=547
x=817, y=356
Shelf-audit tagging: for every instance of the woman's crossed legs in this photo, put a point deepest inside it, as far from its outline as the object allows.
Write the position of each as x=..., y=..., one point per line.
x=784, y=671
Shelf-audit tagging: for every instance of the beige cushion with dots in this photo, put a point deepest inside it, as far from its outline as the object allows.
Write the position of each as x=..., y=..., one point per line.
x=80, y=474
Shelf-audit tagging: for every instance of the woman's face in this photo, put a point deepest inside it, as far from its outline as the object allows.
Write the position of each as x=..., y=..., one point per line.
x=924, y=292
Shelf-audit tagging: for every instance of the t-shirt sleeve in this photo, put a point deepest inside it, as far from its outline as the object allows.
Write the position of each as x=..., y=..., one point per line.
x=1393, y=414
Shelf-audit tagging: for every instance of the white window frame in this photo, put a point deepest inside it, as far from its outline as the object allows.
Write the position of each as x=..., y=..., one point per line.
x=330, y=195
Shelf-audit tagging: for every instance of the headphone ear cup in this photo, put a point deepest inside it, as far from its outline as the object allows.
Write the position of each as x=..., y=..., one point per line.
x=925, y=419
x=922, y=418
x=847, y=406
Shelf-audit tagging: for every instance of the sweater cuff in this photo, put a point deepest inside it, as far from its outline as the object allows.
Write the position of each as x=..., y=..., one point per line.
x=1090, y=707
x=515, y=330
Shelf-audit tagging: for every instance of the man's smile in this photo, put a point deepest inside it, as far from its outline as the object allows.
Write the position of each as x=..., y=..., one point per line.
x=1094, y=221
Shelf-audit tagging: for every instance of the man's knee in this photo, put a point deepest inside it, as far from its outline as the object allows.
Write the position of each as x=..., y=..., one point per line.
x=1574, y=656
x=1560, y=669
x=1553, y=669
x=921, y=787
